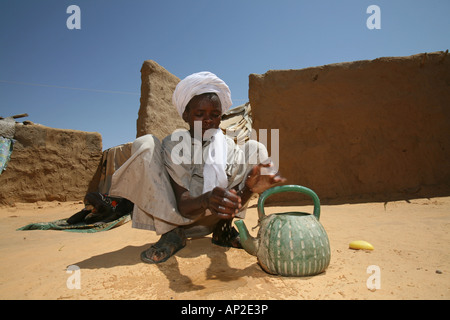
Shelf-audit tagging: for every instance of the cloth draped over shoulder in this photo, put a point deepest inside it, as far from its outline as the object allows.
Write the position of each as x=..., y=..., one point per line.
x=186, y=157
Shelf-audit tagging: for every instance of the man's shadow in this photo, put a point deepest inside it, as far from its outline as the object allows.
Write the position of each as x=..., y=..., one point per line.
x=218, y=269
x=127, y=256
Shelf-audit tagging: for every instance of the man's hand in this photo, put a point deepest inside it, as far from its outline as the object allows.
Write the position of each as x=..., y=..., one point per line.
x=224, y=203
x=258, y=182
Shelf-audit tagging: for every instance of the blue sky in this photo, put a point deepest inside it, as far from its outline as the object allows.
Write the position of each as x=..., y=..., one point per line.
x=89, y=79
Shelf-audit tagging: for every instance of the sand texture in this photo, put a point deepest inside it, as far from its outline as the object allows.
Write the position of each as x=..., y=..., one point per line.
x=411, y=240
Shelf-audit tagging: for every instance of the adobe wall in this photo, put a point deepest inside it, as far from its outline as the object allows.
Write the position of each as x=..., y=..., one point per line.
x=157, y=115
x=50, y=164
x=361, y=131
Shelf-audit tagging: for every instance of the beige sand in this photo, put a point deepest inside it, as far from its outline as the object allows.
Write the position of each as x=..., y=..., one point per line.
x=411, y=241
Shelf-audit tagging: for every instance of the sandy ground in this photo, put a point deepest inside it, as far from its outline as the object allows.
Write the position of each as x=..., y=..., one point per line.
x=411, y=240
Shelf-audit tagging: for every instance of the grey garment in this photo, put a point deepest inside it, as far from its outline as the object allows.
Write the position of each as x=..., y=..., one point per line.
x=144, y=180
x=112, y=159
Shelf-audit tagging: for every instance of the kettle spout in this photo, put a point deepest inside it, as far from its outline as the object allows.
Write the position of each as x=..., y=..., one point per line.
x=249, y=243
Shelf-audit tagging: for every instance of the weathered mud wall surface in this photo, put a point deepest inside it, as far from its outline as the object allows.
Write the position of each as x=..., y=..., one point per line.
x=361, y=131
x=157, y=115
x=50, y=164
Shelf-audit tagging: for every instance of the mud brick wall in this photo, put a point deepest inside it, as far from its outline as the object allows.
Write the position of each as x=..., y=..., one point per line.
x=361, y=131
x=50, y=164
x=157, y=115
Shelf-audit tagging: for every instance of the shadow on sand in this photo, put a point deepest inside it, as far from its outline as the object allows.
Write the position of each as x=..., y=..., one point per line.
x=218, y=270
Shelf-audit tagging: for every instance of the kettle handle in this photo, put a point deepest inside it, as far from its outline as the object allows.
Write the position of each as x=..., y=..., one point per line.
x=286, y=188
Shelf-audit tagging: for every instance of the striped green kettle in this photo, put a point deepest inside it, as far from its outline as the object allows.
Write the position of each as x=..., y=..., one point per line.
x=291, y=243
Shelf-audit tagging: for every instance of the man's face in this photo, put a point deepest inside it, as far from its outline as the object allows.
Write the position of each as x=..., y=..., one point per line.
x=205, y=110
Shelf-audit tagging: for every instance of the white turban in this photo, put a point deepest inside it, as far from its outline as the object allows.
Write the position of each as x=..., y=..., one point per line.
x=199, y=83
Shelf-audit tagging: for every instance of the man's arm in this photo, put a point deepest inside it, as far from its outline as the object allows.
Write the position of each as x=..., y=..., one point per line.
x=225, y=203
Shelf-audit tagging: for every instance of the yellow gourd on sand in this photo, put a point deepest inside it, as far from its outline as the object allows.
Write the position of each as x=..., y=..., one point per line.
x=360, y=245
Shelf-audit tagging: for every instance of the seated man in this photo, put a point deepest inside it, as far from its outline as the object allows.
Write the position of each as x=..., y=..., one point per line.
x=196, y=181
